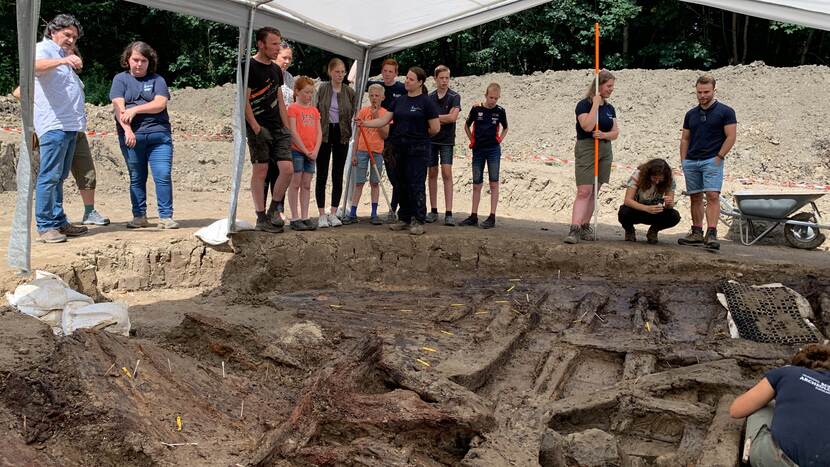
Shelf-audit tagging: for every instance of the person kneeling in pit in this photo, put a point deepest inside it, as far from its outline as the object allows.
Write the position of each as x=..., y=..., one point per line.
x=649, y=199
x=793, y=432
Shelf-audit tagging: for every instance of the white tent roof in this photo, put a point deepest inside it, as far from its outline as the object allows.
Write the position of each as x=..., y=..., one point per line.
x=352, y=28
x=348, y=27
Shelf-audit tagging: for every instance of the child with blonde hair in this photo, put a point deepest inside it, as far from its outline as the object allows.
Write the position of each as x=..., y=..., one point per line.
x=306, y=137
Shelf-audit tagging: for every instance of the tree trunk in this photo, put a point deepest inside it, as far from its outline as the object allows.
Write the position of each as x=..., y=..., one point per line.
x=723, y=30
x=625, y=41
x=734, y=59
x=807, y=46
x=746, y=42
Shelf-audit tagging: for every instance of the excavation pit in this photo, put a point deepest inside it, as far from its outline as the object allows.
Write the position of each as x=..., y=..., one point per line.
x=358, y=348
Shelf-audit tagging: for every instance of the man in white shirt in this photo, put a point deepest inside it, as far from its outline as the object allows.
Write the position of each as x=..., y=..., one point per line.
x=58, y=117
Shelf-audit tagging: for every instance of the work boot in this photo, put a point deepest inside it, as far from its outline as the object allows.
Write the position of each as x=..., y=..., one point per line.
x=72, y=230
x=631, y=235
x=94, y=218
x=399, y=225
x=573, y=234
x=431, y=217
x=651, y=236
x=391, y=217
x=694, y=237
x=416, y=228
x=277, y=220
x=586, y=233
x=138, y=223
x=711, y=239
x=265, y=225
x=52, y=236
x=471, y=221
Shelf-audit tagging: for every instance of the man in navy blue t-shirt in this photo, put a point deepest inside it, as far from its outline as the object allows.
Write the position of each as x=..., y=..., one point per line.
x=794, y=432
x=449, y=106
x=709, y=132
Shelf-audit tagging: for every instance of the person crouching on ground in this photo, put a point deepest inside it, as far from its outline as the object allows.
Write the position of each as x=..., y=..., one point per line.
x=485, y=140
x=649, y=199
x=139, y=97
x=361, y=161
x=306, y=137
x=794, y=432
x=587, y=111
x=416, y=120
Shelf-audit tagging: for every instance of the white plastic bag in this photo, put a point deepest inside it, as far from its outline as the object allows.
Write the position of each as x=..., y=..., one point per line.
x=112, y=316
x=217, y=233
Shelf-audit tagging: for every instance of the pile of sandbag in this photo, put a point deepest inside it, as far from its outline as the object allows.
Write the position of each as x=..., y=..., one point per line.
x=50, y=300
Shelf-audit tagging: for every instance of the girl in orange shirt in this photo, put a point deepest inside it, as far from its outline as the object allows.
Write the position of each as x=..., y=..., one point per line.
x=306, y=136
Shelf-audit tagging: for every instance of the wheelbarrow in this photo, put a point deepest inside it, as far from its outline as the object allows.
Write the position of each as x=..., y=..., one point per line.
x=801, y=229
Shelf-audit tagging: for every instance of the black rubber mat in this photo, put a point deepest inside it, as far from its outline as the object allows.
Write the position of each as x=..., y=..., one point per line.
x=766, y=314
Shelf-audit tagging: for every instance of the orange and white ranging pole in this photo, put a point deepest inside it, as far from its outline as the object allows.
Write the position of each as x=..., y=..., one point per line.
x=596, y=128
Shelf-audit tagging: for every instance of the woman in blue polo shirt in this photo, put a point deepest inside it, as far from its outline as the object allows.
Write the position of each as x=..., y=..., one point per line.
x=139, y=97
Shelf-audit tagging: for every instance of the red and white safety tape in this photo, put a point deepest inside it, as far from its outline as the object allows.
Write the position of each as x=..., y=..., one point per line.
x=114, y=134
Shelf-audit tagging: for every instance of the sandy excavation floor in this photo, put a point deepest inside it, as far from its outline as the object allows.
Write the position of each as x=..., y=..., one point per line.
x=356, y=346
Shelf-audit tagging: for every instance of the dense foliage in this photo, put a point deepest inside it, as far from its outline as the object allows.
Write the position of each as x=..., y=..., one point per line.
x=556, y=35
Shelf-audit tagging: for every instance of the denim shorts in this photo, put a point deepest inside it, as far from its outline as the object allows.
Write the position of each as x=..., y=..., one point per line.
x=703, y=175
x=302, y=163
x=492, y=156
x=441, y=153
x=363, y=169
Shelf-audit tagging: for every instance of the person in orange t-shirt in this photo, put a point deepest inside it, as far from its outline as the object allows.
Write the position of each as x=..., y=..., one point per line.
x=306, y=136
x=361, y=162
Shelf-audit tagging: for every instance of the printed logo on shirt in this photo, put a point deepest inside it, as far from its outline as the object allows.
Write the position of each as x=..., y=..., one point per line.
x=415, y=108
x=818, y=385
x=148, y=87
x=480, y=116
x=308, y=120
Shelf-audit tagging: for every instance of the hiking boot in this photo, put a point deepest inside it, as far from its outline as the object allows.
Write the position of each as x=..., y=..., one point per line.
x=334, y=221
x=277, y=220
x=431, y=217
x=586, y=233
x=375, y=220
x=323, y=222
x=488, y=223
x=267, y=226
x=710, y=240
x=71, y=230
x=399, y=225
x=416, y=229
x=138, y=223
x=631, y=235
x=168, y=223
x=694, y=237
x=573, y=235
x=309, y=224
x=471, y=221
x=95, y=218
x=391, y=217
x=651, y=235
x=449, y=221
x=349, y=220
x=52, y=236
x=298, y=225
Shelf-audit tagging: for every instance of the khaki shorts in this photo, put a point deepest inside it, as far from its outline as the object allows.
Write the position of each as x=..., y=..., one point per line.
x=269, y=145
x=83, y=168
x=584, y=161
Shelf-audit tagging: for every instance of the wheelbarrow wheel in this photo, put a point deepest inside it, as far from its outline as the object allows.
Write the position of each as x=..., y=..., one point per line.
x=801, y=236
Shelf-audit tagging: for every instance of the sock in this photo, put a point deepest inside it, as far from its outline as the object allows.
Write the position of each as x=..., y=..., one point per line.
x=88, y=208
x=274, y=206
x=261, y=217
x=712, y=232
x=374, y=209
x=697, y=228
x=434, y=210
x=447, y=213
x=353, y=211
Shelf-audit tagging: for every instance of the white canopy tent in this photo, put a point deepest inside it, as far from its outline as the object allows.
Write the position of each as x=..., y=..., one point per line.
x=352, y=28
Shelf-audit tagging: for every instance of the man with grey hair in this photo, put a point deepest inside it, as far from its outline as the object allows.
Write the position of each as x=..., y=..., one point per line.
x=58, y=117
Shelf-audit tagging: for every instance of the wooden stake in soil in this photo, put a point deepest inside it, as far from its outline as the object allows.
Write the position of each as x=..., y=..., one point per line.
x=135, y=371
x=109, y=369
x=169, y=367
x=242, y=410
x=223, y=368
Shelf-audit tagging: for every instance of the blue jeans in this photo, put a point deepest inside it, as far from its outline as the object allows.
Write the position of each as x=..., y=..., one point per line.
x=703, y=175
x=302, y=163
x=56, y=150
x=156, y=151
x=364, y=169
x=492, y=156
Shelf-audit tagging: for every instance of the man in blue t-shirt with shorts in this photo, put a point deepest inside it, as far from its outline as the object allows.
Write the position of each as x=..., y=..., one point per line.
x=708, y=134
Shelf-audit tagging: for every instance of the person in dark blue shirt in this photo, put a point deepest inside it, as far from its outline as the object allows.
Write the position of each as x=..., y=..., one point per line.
x=795, y=431
x=709, y=132
x=486, y=126
x=408, y=148
x=449, y=106
x=593, y=109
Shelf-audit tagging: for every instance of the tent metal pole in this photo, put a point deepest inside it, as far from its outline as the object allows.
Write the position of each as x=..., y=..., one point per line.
x=239, y=136
x=20, y=238
x=359, y=85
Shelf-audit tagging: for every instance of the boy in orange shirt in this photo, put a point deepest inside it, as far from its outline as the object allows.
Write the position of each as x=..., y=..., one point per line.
x=306, y=136
x=374, y=142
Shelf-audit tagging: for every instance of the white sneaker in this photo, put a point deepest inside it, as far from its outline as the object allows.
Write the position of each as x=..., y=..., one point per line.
x=323, y=222
x=334, y=221
x=340, y=214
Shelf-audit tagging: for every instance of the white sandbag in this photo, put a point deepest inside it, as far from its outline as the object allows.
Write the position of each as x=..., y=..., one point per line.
x=113, y=317
x=45, y=293
x=53, y=319
x=217, y=232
